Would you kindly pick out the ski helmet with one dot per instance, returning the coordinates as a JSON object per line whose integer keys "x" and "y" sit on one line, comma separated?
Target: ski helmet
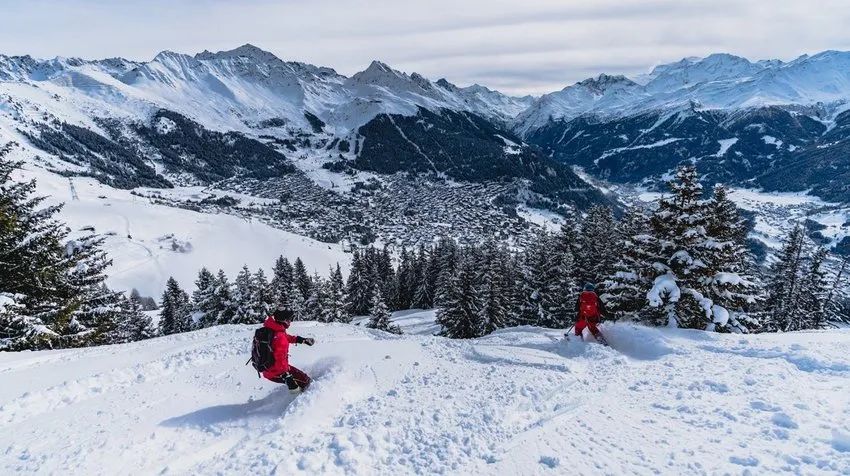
{"x": 283, "y": 316}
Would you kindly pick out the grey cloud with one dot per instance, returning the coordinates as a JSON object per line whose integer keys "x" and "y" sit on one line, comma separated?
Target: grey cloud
{"x": 529, "y": 46}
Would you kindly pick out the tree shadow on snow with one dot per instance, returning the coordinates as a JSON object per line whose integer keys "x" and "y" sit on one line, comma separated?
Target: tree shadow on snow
{"x": 272, "y": 405}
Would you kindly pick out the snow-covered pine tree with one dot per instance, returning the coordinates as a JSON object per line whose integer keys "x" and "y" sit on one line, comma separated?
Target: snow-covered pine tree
{"x": 97, "y": 308}
{"x": 296, "y": 302}
{"x": 380, "y": 313}
{"x": 403, "y": 297}
{"x": 358, "y": 287}
{"x": 563, "y": 293}
{"x": 335, "y": 309}
{"x": 447, "y": 256}
{"x": 301, "y": 278}
{"x": 729, "y": 280}
{"x": 135, "y": 324}
{"x": 223, "y": 305}
{"x": 625, "y": 291}
{"x": 384, "y": 275}
{"x": 460, "y": 307}
{"x": 246, "y": 307}
{"x": 679, "y": 226}
{"x": 315, "y": 307}
{"x": 12, "y": 318}
{"x": 814, "y": 291}
{"x": 31, "y": 254}
{"x": 597, "y": 246}
{"x": 512, "y": 286}
{"x": 782, "y": 310}
{"x": 281, "y": 283}
{"x": 175, "y": 310}
{"x": 494, "y": 312}
{"x": 204, "y": 299}
{"x": 837, "y": 299}
{"x": 542, "y": 282}
{"x": 263, "y": 297}
{"x": 57, "y": 285}
{"x": 426, "y": 282}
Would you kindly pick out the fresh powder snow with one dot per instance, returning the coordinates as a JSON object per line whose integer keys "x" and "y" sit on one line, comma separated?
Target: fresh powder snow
{"x": 519, "y": 401}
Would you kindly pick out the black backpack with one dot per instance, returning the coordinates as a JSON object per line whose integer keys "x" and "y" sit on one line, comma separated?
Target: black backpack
{"x": 262, "y": 355}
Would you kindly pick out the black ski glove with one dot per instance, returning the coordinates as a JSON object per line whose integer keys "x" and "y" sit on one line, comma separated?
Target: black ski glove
{"x": 290, "y": 381}
{"x": 305, "y": 340}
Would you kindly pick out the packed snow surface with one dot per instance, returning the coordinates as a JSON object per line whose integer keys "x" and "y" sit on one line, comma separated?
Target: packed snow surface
{"x": 520, "y": 401}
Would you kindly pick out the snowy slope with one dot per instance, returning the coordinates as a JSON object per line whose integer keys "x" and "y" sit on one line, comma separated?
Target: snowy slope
{"x": 148, "y": 242}
{"x": 520, "y": 401}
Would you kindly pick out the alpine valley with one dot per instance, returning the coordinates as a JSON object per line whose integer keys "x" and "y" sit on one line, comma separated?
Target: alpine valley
{"x": 395, "y": 157}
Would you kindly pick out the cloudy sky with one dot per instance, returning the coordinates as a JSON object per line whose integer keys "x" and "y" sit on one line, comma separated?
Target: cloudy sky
{"x": 520, "y": 46}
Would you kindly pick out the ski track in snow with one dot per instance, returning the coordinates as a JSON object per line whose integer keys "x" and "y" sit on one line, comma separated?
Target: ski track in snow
{"x": 520, "y": 401}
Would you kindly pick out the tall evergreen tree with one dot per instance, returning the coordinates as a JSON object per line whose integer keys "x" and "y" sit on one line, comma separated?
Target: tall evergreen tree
{"x": 563, "y": 292}
{"x": 837, "y": 297}
{"x": 315, "y": 306}
{"x": 595, "y": 255}
{"x": 247, "y": 308}
{"x": 54, "y": 285}
{"x": 204, "y": 299}
{"x": 426, "y": 281}
{"x": 302, "y": 279}
{"x": 358, "y": 288}
{"x": 626, "y": 289}
{"x": 405, "y": 279}
{"x": 547, "y": 285}
{"x": 495, "y": 310}
{"x": 683, "y": 274}
{"x": 281, "y": 283}
{"x": 175, "y": 310}
{"x": 460, "y": 309}
{"x": 447, "y": 260}
{"x": 296, "y": 302}
{"x": 263, "y": 298}
{"x": 335, "y": 309}
{"x": 223, "y": 305}
{"x": 729, "y": 281}
{"x": 97, "y": 308}
{"x": 784, "y": 288}
{"x": 813, "y": 292}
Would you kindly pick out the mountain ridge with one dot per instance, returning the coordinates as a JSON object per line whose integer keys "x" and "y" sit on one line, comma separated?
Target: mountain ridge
{"x": 637, "y": 121}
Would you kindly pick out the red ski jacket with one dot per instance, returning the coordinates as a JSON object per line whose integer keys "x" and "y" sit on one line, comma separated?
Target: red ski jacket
{"x": 280, "y": 347}
{"x": 597, "y": 308}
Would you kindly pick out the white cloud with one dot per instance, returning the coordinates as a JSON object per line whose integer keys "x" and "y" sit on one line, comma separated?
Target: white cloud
{"x": 530, "y": 46}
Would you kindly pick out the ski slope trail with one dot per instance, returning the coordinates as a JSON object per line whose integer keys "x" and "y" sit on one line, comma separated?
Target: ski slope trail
{"x": 520, "y": 401}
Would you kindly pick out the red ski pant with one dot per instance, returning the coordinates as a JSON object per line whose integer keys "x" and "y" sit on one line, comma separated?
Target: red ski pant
{"x": 589, "y": 324}
{"x": 302, "y": 379}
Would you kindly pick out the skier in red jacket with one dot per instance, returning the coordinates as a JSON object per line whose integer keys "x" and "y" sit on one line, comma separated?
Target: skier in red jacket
{"x": 281, "y": 371}
{"x": 589, "y": 311}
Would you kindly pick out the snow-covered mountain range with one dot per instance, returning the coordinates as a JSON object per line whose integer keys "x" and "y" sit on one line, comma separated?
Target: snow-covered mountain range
{"x": 242, "y": 88}
{"x": 719, "y": 81}
{"x": 129, "y": 123}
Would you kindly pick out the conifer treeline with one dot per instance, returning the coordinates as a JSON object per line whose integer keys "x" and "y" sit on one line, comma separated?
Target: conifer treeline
{"x": 686, "y": 264}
